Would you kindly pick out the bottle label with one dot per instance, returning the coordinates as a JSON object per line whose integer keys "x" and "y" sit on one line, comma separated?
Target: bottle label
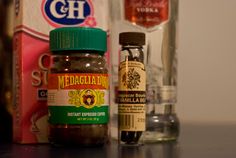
{"x": 78, "y": 98}
{"x": 132, "y": 96}
{"x": 146, "y": 13}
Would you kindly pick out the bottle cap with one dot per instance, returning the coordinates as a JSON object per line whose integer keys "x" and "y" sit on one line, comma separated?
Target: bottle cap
{"x": 78, "y": 38}
{"x": 132, "y": 38}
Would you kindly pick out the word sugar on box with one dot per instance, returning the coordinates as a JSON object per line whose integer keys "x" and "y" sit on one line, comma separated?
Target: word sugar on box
{"x": 34, "y": 20}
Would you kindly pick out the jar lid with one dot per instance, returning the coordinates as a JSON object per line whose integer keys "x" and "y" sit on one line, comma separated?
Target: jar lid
{"x": 78, "y": 38}
{"x": 132, "y": 38}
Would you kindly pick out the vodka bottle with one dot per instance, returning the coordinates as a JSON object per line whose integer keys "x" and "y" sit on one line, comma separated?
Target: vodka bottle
{"x": 158, "y": 19}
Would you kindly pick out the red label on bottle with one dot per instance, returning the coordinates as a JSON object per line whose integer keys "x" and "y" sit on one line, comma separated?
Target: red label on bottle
{"x": 146, "y": 13}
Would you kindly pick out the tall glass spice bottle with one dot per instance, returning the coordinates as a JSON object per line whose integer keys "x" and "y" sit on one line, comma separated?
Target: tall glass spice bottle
{"x": 78, "y": 84}
{"x": 132, "y": 88}
{"x": 159, "y": 20}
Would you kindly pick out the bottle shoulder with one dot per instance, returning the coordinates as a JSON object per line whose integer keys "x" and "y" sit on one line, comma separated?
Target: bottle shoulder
{"x": 79, "y": 63}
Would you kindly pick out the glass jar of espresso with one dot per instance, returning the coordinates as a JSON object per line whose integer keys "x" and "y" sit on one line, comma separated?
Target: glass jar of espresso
{"x": 78, "y": 95}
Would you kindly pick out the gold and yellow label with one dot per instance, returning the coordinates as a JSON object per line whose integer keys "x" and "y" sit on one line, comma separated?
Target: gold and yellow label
{"x": 78, "y": 81}
{"x": 132, "y": 96}
{"x": 87, "y": 98}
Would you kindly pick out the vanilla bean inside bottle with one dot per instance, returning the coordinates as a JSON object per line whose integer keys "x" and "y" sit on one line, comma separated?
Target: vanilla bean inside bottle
{"x": 132, "y": 88}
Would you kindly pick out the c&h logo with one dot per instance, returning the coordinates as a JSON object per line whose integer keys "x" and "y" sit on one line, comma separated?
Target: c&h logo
{"x": 68, "y": 12}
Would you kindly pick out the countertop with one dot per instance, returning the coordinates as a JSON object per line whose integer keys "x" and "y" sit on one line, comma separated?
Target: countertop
{"x": 195, "y": 141}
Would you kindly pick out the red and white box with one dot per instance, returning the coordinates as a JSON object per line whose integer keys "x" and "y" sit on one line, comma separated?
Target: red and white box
{"x": 33, "y": 22}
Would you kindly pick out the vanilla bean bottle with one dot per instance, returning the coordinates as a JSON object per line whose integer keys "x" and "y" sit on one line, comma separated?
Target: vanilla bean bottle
{"x": 132, "y": 88}
{"x": 158, "y": 19}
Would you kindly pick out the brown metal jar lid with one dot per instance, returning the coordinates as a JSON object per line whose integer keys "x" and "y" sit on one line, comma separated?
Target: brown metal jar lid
{"x": 132, "y": 38}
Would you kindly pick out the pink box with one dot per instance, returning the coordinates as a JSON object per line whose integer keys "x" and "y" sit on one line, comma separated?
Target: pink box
{"x": 33, "y": 21}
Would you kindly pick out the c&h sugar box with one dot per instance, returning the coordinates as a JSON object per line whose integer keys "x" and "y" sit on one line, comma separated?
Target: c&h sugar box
{"x": 33, "y": 21}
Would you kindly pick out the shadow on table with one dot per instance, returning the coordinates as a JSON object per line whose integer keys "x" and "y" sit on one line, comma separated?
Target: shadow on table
{"x": 160, "y": 150}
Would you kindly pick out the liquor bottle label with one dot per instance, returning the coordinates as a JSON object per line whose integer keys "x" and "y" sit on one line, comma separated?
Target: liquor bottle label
{"x": 146, "y": 13}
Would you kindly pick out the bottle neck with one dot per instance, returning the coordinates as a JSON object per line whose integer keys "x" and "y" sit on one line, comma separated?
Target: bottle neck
{"x": 132, "y": 46}
{"x": 132, "y": 53}
{"x": 78, "y": 52}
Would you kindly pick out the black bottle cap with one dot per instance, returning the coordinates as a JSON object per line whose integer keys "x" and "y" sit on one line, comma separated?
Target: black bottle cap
{"x": 132, "y": 38}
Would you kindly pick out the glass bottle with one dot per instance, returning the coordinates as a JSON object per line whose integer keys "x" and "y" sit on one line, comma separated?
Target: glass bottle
{"x": 132, "y": 88}
{"x": 78, "y": 95}
{"x": 158, "y": 19}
